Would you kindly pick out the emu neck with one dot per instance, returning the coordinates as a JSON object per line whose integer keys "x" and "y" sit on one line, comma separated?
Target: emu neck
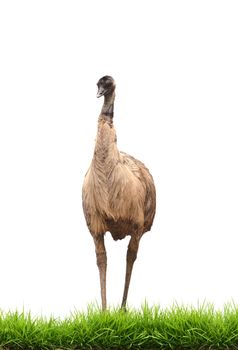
{"x": 108, "y": 105}
{"x": 106, "y": 154}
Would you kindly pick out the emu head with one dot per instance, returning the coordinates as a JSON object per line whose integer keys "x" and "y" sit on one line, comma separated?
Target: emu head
{"x": 106, "y": 85}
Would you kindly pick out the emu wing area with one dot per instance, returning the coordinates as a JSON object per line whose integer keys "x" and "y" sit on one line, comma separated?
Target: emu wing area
{"x": 149, "y": 206}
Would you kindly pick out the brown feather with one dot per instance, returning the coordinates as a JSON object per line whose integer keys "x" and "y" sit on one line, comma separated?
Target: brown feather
{"x": 118, "y": 190}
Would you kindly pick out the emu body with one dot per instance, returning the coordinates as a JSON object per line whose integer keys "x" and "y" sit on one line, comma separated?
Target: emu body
{"x": 118, "y": 192}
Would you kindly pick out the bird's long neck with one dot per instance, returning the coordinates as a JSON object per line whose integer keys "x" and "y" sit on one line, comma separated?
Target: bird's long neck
{"x": 108, "y": 105}
{"x": 106, "y": 153}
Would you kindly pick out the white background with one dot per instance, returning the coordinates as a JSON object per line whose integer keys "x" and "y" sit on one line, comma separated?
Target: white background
{"x": 176, "y": 68}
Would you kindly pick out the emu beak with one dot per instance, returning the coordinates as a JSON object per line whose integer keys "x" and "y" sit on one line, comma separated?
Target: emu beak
{"x": 101, "y": 91}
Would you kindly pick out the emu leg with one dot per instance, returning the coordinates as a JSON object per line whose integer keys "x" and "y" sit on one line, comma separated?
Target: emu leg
{"x": 102, "y": 266}
{"x": 130, "y": 259}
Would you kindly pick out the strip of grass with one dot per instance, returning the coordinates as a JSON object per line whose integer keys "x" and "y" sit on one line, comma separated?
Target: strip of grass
{"x": 148, "y": 328}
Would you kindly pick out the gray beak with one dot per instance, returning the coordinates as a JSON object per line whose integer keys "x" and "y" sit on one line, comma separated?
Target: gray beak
{"x": 101, "y": 91}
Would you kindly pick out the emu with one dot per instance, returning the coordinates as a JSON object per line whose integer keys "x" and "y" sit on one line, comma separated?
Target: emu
{"x": 118, "y": 193}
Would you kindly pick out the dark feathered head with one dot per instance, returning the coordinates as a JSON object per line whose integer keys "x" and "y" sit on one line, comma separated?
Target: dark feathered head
{"x": 106, "y": 85}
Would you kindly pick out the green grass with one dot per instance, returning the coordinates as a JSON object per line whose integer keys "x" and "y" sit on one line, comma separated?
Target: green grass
{"x": 148, "y": 328}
